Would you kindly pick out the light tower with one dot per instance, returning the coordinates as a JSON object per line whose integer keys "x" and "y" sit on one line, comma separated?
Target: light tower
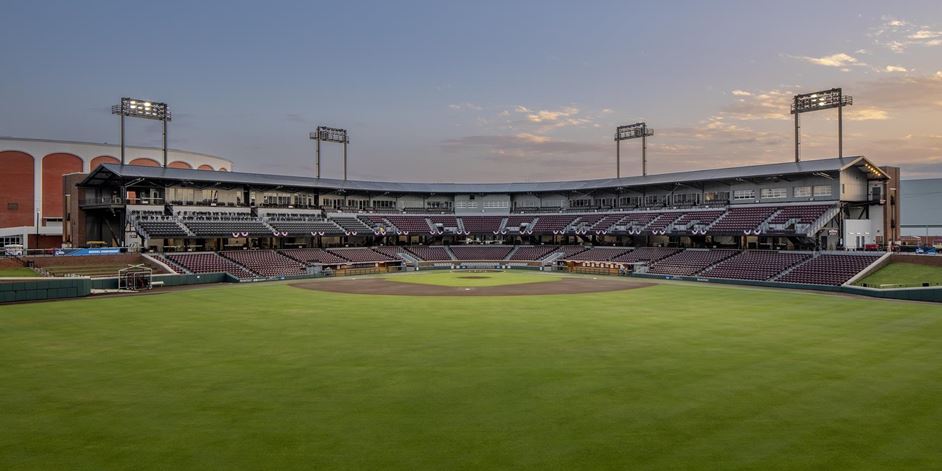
{"x": 147, "y": 109}
{"x": 632, "y": 131}
{"x": 327, "y": 134}
{"x": 823, "y": 100}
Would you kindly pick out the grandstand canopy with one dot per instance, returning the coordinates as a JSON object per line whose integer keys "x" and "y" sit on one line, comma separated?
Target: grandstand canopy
{"x": 112, "y": 173}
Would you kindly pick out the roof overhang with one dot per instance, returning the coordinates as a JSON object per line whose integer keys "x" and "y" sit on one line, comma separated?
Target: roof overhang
{"x": 114, "y": 172}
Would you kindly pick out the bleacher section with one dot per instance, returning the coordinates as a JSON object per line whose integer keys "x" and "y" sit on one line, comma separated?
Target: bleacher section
{"x": 210, "y": 262}
{"x": 731, "y": 264}
{"x": 690, "y": 262}
{"x": 235, "y": 227}
{"x": 351, "y": 224}
{"x": 482, "y": 224}
{"x": 598, "y": 254}
{"x": 552, "y": 223}
{"x": 635, "y": 222}
{"x": 305, "y": 227}
{"x": 646, "y": 254}
{"x": 662, "y": 222}
{"x": 695, "y": 221}
{"x": 416, "y": 224}
{"x": 570, "y": 250}
{"x": 533, "y": 253}
{"x": 585, "y": 222}
{"x": 314, "y": 256}
{"x": 429, "y": 253}
{"x": 361, "y": 254}
{"x": 478, "y": 252}
{"x": 736, "y": 220}
{"x": 755, "y": 265}
{"x": 161, "y": 227}
{"x": 742, "y": 220}
{"x": 605, "y": 223}
{"x": 828, "y": 269}
{"x": 265, "y": 262}
{"x": 390, "y": 251}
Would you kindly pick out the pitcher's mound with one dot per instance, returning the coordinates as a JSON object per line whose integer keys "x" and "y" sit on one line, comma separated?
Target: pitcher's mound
{"x": 392, "y": 287}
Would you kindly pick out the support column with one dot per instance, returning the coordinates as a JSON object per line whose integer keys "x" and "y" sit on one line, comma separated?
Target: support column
{"x": 644, "y": 153}
{"x": 840, "y": 129}
{"x": 797, "y": 138}
{"x": 617, "y": 158}
{"x": 122, "y": 138}
{"x": 165, "y": 143}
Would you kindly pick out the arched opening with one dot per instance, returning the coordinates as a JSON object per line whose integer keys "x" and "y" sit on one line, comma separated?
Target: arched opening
{"x": 54, "y": 167}
{"x": 205, "y": 167}
{"x": 102, "y": 159}
{"x": 145, "y": 162}
{"x": 179, "y": 164}
{"x": 16, "y": 189}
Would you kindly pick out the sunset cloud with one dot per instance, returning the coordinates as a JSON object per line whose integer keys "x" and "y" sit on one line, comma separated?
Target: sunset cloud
{"x": 834, "y": 60}
{"x": 899, "y": 35}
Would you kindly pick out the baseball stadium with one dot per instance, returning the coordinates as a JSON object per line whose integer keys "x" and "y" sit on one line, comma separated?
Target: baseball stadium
{"x": 163, "y": 308}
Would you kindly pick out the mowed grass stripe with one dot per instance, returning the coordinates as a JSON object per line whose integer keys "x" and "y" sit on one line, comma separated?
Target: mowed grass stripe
{"x": 271, "y": 376}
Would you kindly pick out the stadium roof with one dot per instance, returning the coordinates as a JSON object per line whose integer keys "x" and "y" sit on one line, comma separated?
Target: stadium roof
{"x": 109, "y": 171}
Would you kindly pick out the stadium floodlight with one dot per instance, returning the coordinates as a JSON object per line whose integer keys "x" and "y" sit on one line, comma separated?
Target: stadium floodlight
{"x": 823, "y": 100}
{"x": 327, "y": 134}
{"x": 632, "y": 131}
{"x": 147, "y": 109}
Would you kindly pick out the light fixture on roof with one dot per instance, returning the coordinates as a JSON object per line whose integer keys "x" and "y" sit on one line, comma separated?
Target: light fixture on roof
{"x": 133, "y": 108}
{"x": 328, "y": 134}
{"x": 822, "y": 100}
{"x": 632, "y": 131}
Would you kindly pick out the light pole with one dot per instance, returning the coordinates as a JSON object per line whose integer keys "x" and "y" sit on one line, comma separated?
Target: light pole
{"x": 327, "y": 134}
{"x": 632, "y": 131}
{"x": 823, "y": 100}
{"x": 137, "y": 108}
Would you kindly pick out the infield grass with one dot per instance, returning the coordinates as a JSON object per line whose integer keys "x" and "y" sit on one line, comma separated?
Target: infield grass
{"x": 475, "y": 279}
{"x": 674, "y": 376}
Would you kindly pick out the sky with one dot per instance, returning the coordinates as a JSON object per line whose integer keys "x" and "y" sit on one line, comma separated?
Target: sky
{"x": 484, "y": 91}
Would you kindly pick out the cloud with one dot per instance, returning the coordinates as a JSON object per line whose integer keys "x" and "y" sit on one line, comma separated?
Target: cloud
{"x": 465, "y": 106}
{"x": 899, "y": 35}
{"x": 771, "y": 104}
{"x": 925, "y": 34}
{"x": 834, "y": 60}
{"x": 519, "y": 145}
{"x": 546, "y": 120}
{"x": 548, "y": 115}
{"x": 895, "y": 68}
{"x": 867, "y": 114}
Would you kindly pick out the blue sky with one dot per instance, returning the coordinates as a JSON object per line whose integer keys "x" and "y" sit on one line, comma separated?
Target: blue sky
{"x": 482, "y": 91}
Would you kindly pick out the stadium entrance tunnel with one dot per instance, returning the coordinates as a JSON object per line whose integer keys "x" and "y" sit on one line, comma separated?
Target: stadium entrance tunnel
{"x": 385, "y": 286}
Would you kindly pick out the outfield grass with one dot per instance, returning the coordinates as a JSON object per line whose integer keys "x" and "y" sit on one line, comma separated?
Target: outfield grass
{"x": 17, "y": 272}
{"x": 902, "y": 273}
{"x": 675, "y": 376}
